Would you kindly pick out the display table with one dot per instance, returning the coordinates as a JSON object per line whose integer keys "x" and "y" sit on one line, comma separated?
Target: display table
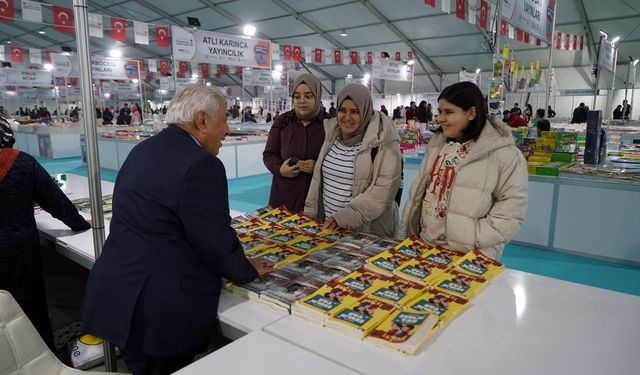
{"x": 48, "y": 141}
{"x": 260, "y": 353}
{"x": 521, "y": 324}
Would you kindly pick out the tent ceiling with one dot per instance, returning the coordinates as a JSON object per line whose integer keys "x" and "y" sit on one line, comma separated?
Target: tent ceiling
{"x": 446, "y": 41}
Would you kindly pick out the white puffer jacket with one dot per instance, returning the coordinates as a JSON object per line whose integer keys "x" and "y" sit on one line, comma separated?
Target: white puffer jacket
{"x": 489, "y": 196}
{"x": 375, "y": 183}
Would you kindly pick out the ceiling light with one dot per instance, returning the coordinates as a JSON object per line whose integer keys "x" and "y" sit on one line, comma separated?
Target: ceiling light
{"x": 478, "y": 71}
{"x": 42, "y": 32}
{"x": 9, "y": 42}
{"x": 208, "y": 83}
{"x": 135, "y": 80}
{"x": 249, "y": 30}
{"x": 115, "y": 53}
{"x": 194, "y": 75}
{"x": 367, "y": 76}
{"x": 636, "y": 62}
{"x": 615, "y": 40}
{"x": 343, "y": 33}
{"x": 411, "y": 62}
{"x": 349, "y": 76}
{"x": 279, "y": 67}
{"x": 48, "y": 67}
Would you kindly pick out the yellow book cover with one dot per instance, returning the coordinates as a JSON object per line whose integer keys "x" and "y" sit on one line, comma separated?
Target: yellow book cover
{"x": 253, "y": 244}
{"x": 328, "y": 299}
{"x": 446, "y": 306}
{"x": 386, "y": 262}
{"x": 267, "y": 230}
{"x": 275, "y": 215}
{"x": 404, "y": 330}
{"x": 294, "y": 221}
{"x": 396, "y": 291}
{"x": 478, "y": 264}
{"x": 442, "y": 256}
{"x": 420, "y": 270}
{"x": 361, "y": 317}
{"x": 412, "y": 247}
{"x": 309, "y": 244}
{"x": 247, "y": 225}
{"x": 280, "y": 255}
{"x": 284, "y": 236}
{"x": 460, "y": 283}
{"x": 311, "y": 227}
{"x": 334, "y": 235}
{"x": 364, "y": 280}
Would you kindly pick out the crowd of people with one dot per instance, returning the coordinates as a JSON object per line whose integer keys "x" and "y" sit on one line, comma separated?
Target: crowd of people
{"x": 152, "y": 291}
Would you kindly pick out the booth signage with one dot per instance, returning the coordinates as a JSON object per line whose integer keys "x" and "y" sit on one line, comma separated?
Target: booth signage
{"x": 392, "y": 70}
{"x": 532, "y": 16}
{"x": 256, "y": 77}
{"x": 473, "y": 77}
{"x": 217, "y": 48}
{"x": 101, "y": 67}
{"x": 607, "y": 57}
{"x": 25, "y": 77}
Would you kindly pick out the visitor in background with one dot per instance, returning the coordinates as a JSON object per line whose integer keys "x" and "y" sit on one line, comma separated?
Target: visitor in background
{"x": 268, "y": 117}
{"x": 332, "y": 110}
{"x": 527, "y": 113}
{"x": 358, "y": 172}
{"x": 471, "y": 190}
{"x": 429, "y": 113}
{"x": 550, "y": 112}
{"x": 617, "y": 113}
{"x": 516, "y": 109}
{"x": 543, "y": 126}
{"x": 580, "y": 114}
{"x": 397, "y": 113}
{"x": 539, "y": 116}
{"x": 410, "y": 112}
{"x": 136, "y": 119}
{"x": 294, "y": 143}
{"x": 107, "y": 116}
{"x": 421, "y": 114}
{"x": 384, "y": 110}
{"x": 512, "y": 119}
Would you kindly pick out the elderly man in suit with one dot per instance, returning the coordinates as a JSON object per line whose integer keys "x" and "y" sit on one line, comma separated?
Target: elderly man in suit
{"x": 154, "y": 291}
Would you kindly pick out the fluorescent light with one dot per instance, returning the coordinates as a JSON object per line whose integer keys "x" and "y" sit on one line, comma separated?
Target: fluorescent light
{"x": 42, "y": 32}
{"x": 343, "y": 33}
{"x": 411, "y": 62}
{"x": 349, "y": 76}
{"x": 9, "y": 42}
{"x": 115, "y": 53}
{"x": 478, "y": 71}
{"x": 615, "y": 40}
{"x": 279, "y": 67}
{"x": 48, "y": 66}
{"x": 208, "y": 83}
{"x": 249, "y": 30}
{"x": 135, "y": 80}
{"x": 194, "y": 75}
{"x": 636, "y": 62}
{"x": 367, "y": 76}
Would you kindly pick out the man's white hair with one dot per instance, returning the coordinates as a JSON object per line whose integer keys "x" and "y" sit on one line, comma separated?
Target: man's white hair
{"x": 193, "y": 98}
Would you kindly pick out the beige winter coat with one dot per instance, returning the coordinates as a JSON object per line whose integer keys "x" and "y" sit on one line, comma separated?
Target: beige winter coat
{"x": 373, "y": 208}
{"x": 488, "y": 198}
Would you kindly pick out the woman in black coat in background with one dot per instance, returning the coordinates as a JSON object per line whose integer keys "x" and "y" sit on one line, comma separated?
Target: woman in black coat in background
{"x": 23, "y": 182}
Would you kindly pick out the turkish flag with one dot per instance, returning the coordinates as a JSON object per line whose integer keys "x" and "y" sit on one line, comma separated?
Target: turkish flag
{"x": 519, "y": 35}
{"x": 62, "y": 19}
{"x": 162, "y": 36}
{"x": 503, "y": 28}
{"x": 118, "y": 29}
{"x": 575, "y": 42}
{"x": 239, "y": 71}
{"x": 318, "y": 56}
{"x": 527, "y": 39}
{"x": 297, "y": 53}
{"x": 538, "y": 43}
{"x": 410, "y": 55}
{"x": 183, "y": 67}
{"x": 559, "y": 41}
{"x": 164, "y": 67}
{"x": 369, "y": 58}
{"x": 287, "y": 52}
{"x": 398, "y": 56}
{"x": 484, "y": 10}
{"x": 460, "y": 9}
{"x": 7, "y": 12}
{"x": 17, "y": 54}
{"x": 337, "y": 57}
{"x": 430, "y": 2}
{"x": 354, "y": 57}
{"x": 567, "y": 41}
{"x": 223, "y": 69}
{"x": 205, "y": 70}
{"x": 581, "y": 42}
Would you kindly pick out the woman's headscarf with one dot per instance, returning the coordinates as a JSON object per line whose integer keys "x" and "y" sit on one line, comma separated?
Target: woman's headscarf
{"x": 7, "y": 138}
{"x": 360, "y": 95}
{"x": 316, "y": 88}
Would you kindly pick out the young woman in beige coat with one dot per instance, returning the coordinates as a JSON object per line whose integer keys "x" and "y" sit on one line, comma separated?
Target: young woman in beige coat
{"x": 471, "y": 191}
{"x": 357, "y": 174}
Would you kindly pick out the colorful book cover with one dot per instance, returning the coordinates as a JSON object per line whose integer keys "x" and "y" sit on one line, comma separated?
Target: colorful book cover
{"x": 446, "y": 306}
{"x": 311, "y": 227}
{"x": 321, "y": 256}
{"x": 386, "y": 262}
{"x": 259, "y": 212}
{"x": 442, "y": 256}
{"x": 275, "y": 215}
{"x": 310, "y": 244}
{"x": 283, "y": 296}
{"x": 267, "y": 230}
{"x": 345, "y": 261}
{"x": 280, "y": 255}
{"x": 253, "y": 244}
{"x": 359, "y": 239}
{"x": 460, "y": 283}
{"x": 478, "y": 264}
{"x": 283, "y": 236}
{"x": 362, "y": 316}
{"x": 412, "y": 247}
{"x": 397, "y": 291}
{"x": 364, "y": 280}
{"x": 246, "y": 226}
{"x": 404, "y": 330}
{"x": 330, "y": 298}
{"x": 380, "y": 245}
{"x": 295, "y": 221}
{"x": 420, "y": 270}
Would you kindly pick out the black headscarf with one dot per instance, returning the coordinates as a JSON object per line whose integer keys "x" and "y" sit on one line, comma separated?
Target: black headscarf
{"x": 7, "y": 139}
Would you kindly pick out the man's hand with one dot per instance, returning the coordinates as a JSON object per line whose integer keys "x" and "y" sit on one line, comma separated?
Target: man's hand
{"x": 262, "y": 266}
{"x": 307, "y": 165}
{"x": 331, "y": 224}
{"x": 287, "y": 171}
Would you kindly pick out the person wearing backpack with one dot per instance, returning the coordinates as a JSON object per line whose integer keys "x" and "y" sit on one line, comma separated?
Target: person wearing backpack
{"x": 358, "y": 171}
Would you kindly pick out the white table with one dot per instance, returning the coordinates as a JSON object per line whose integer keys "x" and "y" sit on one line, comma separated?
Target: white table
{"x": 238, "y": 316}
{"x": 260, "y": 353}
{"x": 521, "y": 324}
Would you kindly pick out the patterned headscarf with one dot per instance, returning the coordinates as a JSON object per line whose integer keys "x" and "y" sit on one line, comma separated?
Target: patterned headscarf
{"x": 7, "y": 138}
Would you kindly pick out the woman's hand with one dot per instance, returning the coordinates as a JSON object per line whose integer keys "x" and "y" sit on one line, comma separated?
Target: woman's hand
{"x": 307, "y": 166}
{"x": 261, "y": 265}
{"x": 289, "y": 171}
{"x": 331, "y": 224}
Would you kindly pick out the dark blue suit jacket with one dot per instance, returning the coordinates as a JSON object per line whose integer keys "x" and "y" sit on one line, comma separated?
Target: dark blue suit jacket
{"x": 156, "y": 286}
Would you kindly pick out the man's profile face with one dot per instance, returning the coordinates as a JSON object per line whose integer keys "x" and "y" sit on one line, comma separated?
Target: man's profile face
{"x": 214, "y": 131}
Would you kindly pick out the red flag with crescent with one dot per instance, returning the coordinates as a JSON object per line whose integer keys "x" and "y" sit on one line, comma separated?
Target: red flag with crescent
{"x": 369, "y": 58}
{"x": 7, "y": 11}
{"x": 287, "y": 52}
{"x": 460, "y": 9}
{"x": 17, "y": 54}
{"x": 398, "y": 56}
{"x": 297, "y": 53}
{"x": 318, "y": 56}
{"x": 337, "y": 57}
{"x": 354, "y": 57}
{"x": 162, "y": 36}
{"x": 164, "y": 67}
{"x": 118, "y": 29}
{"x": 183, "y": 67}
{"x": 484, "y": 10}
{"x": 62, "y": 19}
{"x": 205, "y": 70}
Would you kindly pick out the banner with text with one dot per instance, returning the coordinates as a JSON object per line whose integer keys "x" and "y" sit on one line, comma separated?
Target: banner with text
{"x": 217, "y": 48}
{"x": 25, "y": 77}
{"x": 533, "y": 16}
{"x": 257, "y": 77}
{"x": 101, "y": 67}
{"x": 392, "y": 70}
{"x": 608, "y": 55}
{"x": 469, "y": 77}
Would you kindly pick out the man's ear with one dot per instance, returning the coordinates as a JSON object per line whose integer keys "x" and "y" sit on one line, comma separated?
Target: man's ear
{"x": 200, "y": 119}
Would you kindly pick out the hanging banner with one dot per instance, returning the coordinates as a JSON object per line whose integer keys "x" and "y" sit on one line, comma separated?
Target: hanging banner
{"x": 607, "y": 57}
{"x": 392, "y": 70}
{"x": 256, "y": 77}
{"x": 124, "y": 90}
{"x": 465, "y": 76}
{"x": 152, "y": 65}
{"x": 101, "y": 67}
{"x": 95, "y": 25}
{"x": 162, "y": 36}
{"x": 25, "y": 77}
{"x": 31, "y": 11}
{"x": 141, "y": 32}
{"x": 276, "y": 90}
{"x": 35, "y": 56}
{"x": 217, "y": 48}
{"x": 166, "y": 83}
{"x": 533, "y": 16}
